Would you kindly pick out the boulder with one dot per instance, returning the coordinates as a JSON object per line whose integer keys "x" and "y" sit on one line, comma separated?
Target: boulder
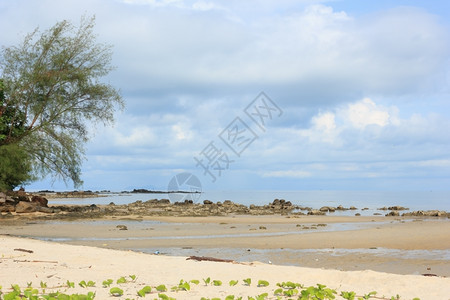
{"x": 207, "y": 202}
{"x": 41, "y": 201}
{"x": 327, "y": 208}
{"x": 7, "y": 208}
{"x": 393, "y": 214}
{"x": 316, "y": 212}
{"x": 397, "y": 207}
{"x": 26, "y": 207}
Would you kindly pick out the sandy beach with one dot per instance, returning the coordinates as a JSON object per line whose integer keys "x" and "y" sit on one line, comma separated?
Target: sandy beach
{"x": 54, "y": 264}
{"x": 387, "y": 254}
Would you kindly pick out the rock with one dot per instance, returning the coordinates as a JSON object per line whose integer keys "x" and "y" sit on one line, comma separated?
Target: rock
{"x": 377, "y": 214}
{"x": 397, "y": 208}
{"x": 228, "y": 202}
{"x": 46, "y": 210}
{"x": 2, "y": 197}
{"x": 327, "y": 208}
{"x": 428, "y": 213}
{"x": 252, "y": 206}
{"x": 164, "y": 201}
{"x": 352, "y": 208}
{"x": 262, "y": 227}
{"x": 357, "y": 214}
{"x": 393, "y": 214}
{"x": 41, "y": 201}
{"x": 340, "y": 207}
{"x": 207, "y": 202}
{"x": 315, "y": 212}
{"x": 122, "y": 227}
{"x": 7, "y": 208}
{"x": 26, "y": 207}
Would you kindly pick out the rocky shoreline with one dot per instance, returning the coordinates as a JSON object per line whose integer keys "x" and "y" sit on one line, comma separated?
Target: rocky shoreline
{"x": 20, "y": 203}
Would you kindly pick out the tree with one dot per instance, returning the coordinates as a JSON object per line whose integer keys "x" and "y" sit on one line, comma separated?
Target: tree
{"x": 51, "y": 93}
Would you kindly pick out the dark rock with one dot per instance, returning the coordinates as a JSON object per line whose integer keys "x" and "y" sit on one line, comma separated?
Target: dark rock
{"x": 352, "y": 208}
{"x": 41, "y": 201}
{"x": 397, "y": 208}
{"x": 327, "y": 208}
{"x": 357, "y": 214}
{"x": 228, "y": 202}
{"x": 262, "y": 227}
{"x": 315, "y": 212}
{"x": 207, "y": 202}
{"x": 393, "y": 214}
{"x": 45, "y": 209}
{"x": 122, "y": 227}
{"x": 164, "y": 201}
{"x": 7, "y": 208}
{"x": 26, "y": 207}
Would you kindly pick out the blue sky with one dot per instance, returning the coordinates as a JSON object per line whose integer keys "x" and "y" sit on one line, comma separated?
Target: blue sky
{"x": 362, "y": 87}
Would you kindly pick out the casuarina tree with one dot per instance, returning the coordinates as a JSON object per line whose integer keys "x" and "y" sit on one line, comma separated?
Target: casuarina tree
{"x": 51, "y": 93}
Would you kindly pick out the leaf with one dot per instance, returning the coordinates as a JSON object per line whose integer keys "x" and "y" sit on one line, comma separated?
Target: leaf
{"x": 248, "y": 281}
{"x": 70, "y": 284}
{"x": 82, "y": 283}
{"x": 163, "y": 296}
{"x": 145, "y": 290}
{"x": 195, "y": 281}
{"x": 262, "y": 283}
{"x": 121, "y": 280}
{"x": 233, "y": 282}
{"x": 278, "y": 292}
{"x": 107, "y": 283}
{"x": 229, "y": 297}
{"x": 161, "y": 288}
{"x": 91, "y": 283}
{"x": 116, "y": 292}
{"x": 133, "y": 277}
{"x": 207, "y": 280}
{"x": 217, "y": 282}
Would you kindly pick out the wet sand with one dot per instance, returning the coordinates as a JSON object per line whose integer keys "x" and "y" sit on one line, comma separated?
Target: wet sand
{"x": 278, "y": 239}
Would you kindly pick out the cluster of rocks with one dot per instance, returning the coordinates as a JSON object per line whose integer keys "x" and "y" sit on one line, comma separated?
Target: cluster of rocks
{"x": 21, "y": 202}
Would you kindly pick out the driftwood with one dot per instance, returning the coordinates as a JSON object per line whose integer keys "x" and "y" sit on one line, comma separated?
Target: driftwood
{"x": 205, "y": 258}
{"x": 23, "y": 250}
{"x": 37, "y": 261}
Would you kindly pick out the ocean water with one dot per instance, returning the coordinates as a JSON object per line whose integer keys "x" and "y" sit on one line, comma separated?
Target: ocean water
{"x": 414, "y": 200}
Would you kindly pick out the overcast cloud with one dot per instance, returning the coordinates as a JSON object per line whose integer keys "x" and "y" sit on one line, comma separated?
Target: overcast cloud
{"x": 364, "y": 91}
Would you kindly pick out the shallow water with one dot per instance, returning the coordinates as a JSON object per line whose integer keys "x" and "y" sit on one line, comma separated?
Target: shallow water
{"x": 329, "y": 228}
{"x": 417, "y": 200}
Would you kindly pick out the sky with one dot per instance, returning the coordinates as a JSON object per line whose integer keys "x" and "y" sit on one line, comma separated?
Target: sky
{"x": 265, "y": 95}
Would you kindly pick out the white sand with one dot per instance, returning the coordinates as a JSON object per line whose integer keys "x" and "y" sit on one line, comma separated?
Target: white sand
{"x": 56, "y": 263}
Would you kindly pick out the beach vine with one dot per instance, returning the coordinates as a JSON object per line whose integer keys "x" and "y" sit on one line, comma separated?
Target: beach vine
{"x": 280, "y": 291}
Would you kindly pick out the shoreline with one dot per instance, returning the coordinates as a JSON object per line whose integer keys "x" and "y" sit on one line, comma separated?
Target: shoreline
{"x": 54, "y": 264}
{"x": 284, "y": 240}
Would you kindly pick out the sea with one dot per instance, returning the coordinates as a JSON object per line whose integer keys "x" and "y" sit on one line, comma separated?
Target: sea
{"x": 366, "y": 202}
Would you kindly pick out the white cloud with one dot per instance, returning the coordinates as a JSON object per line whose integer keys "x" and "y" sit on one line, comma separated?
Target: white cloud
{"x": 364, "y": 113}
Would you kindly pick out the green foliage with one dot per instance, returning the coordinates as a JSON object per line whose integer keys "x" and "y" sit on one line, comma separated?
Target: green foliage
{"x": 107, "y": 283}
{"x": 115, "y": 291}
{"x": 161, "y": 288}
{"x": 207, "y": 280}
{"x": 144, "y": 291}
{"x": 233, "y": 282}
{"x": 51, "y": 91}
{"x": 217, "y": 282}
{"x": 121, "y": 280}
{"x": 15, "y": 167}
{"x": 247, "y": 281}
{"x": 262, "y": 283}
{"x": 348, "y": 295}
{"x": 70, "y": 284}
